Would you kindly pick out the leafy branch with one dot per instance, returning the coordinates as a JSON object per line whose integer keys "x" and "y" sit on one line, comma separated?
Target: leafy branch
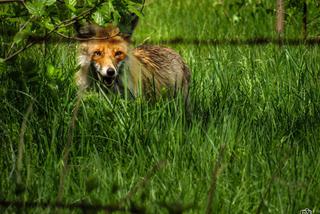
{"x": 45, "y": 17}
{"x": 10, "y": 1}
{"x": 64, "y": 23}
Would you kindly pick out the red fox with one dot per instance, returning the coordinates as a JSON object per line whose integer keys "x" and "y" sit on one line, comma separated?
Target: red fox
{"x": 150, "y": 69}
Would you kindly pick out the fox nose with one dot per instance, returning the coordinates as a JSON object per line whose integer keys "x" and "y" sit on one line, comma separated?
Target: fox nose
{"x": 111, "y": 72}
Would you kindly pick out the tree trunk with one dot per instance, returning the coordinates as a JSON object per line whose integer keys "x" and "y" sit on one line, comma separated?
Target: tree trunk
{"x": 280, "y": 19}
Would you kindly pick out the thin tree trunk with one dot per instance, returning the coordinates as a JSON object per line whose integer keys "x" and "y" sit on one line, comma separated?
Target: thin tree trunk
{"x": 280, "y": 20}
{"x": 305, "y": 20}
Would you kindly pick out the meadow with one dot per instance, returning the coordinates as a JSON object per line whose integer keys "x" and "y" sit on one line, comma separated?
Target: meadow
{"x": 249, "y": 145}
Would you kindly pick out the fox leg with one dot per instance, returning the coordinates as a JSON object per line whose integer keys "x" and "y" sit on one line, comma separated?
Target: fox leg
{"x": 81, "y": 77}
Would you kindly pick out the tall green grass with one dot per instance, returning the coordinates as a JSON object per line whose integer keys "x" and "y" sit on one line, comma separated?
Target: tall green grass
{"x": 260, "y": 102}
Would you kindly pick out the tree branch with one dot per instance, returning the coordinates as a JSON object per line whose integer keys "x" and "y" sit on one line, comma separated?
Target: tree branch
{"x": 10, "y": 1}
{"x": 64, "y": 23}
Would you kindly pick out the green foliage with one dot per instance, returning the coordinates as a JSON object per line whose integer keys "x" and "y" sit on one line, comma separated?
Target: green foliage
{"x": 41, "y": 18}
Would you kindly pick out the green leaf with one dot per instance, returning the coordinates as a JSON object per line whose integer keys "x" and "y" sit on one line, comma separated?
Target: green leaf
{"x": 5, "y": 11}
{"x": 71, "y": 4}
{"x": 55, "y": 73}
{"x": 21, "y": 35}
{"x": 48, "y": 24}
{"x": 35, "y": 8}
{"x": 3, "y": 66}
{"x": 106, "y": 8}
{"x": 49, "y": 2}
{"x": 98, "y": 18}
{"x": 134, "y": 8}
{"x": 116, "y": 16}
{"x": 50, "y": 70}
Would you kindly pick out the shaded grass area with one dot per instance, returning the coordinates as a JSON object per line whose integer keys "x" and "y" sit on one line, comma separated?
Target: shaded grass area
{"x": 261, "y": 102}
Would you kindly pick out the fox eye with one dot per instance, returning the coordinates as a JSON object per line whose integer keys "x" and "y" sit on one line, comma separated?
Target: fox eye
{"x": 118, "y": 53}
{"x": 97, "y": 53}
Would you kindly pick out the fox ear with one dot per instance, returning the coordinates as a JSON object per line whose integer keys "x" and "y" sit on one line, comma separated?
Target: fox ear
{"x": 111, "y": 30}
{"x": 88, "y": 30}
{"x": 126, "y": 37}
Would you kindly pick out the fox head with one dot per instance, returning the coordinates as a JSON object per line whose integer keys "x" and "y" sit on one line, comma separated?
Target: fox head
{"x": 104, "y": 50}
